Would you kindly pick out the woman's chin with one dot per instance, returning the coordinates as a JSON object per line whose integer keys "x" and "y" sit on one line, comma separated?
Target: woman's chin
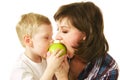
{"x": 70, "y": 55}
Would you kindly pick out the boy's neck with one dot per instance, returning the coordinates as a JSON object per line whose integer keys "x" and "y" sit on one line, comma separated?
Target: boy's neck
{"x": 33, "y": 57}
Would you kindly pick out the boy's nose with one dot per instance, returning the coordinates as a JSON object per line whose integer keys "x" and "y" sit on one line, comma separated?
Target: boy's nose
{"x": 51, "y": 41}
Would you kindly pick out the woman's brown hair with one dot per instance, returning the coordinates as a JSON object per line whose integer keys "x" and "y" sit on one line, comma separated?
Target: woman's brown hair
{"x": 87, "y": 18}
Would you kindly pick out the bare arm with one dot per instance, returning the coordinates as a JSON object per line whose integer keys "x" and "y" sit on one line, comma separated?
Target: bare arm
{"x": 53, "y": 63}
{"x": 62, "y": 72}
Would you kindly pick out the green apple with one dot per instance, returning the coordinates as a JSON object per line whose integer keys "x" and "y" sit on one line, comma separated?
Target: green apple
{"x": 55, "y": 46}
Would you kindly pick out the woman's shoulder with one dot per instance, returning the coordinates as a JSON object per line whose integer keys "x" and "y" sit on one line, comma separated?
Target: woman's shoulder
{"x": 109, "y": 67}
{"x": 109, "y": 62}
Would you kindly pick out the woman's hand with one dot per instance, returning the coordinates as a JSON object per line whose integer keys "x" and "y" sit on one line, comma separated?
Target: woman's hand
{"x": 62, "y": 71}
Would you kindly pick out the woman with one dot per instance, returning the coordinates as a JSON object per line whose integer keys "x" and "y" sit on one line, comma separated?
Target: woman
{"x": 81, "y": 29}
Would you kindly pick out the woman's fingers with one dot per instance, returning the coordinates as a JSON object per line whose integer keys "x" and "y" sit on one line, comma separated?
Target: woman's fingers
{"x": 57, "y": 52}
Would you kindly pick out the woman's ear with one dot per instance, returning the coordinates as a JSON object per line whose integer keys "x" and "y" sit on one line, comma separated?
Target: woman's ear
{"x": 84, "y": 36}
{"x": 27, "y": 40}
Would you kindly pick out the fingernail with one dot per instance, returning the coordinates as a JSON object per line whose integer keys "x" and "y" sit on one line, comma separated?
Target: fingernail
{"x": 48, "y": 53}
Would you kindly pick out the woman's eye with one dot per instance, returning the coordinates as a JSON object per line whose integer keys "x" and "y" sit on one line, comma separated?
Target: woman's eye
{"x": 64, "y": 31}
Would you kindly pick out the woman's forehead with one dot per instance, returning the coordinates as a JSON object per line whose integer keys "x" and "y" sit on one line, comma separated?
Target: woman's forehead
{"x": 63, "y": 22}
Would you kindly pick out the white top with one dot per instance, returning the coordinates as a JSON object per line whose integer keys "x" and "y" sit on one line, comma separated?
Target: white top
{"x": 25, "y": 69}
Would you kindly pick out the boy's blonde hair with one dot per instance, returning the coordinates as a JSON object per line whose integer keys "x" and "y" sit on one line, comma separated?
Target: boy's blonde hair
{"x": 29, "y": 24}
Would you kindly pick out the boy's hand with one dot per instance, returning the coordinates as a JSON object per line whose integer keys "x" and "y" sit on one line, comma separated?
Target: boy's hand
{"x": 54, "y": 60}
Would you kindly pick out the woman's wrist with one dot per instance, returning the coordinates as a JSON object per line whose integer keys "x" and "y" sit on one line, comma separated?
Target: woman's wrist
{"x": 63, "y": 78}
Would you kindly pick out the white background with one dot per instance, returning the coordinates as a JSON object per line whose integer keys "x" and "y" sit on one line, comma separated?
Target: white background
{"x": 11, "y": 10}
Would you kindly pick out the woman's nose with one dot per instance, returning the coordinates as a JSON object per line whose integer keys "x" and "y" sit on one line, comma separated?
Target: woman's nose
{"x": 58, "y": 36}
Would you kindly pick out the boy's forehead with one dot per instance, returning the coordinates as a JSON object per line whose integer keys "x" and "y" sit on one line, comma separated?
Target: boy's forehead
{"x": 45, "y": 28}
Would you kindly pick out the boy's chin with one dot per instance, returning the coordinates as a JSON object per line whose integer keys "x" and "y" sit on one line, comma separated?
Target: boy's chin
{"x": 44, "y": 57}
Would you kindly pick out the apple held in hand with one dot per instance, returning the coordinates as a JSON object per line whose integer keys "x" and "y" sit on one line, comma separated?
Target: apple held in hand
{"x": 55, "y": 46}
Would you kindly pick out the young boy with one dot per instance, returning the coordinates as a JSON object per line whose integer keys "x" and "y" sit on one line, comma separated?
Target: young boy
{"x": 35, "y": 34}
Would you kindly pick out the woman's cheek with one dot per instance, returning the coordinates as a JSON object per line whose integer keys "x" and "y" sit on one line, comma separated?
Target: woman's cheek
{"x": 70, "y": 49}
{"x": 73, "y": 42}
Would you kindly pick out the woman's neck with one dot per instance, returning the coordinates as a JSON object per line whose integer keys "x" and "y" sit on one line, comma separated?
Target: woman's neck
{"x": 76, "y": 67}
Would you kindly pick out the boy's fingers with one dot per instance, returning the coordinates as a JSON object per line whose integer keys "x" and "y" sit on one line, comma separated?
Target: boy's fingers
{"x": 48, "y": 54}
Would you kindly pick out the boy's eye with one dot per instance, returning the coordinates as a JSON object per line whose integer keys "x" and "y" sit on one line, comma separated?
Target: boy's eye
{"x": 57, "y": 29}
{"x": 46, "y": 37}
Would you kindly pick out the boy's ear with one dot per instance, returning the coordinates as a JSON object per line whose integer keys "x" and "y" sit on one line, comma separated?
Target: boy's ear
{"x": 27, "y": 40}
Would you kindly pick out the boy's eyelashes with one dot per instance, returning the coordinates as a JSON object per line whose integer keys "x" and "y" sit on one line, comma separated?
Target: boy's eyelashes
{"x": 48, "y": 38}
{"x": 57, "y": 29}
